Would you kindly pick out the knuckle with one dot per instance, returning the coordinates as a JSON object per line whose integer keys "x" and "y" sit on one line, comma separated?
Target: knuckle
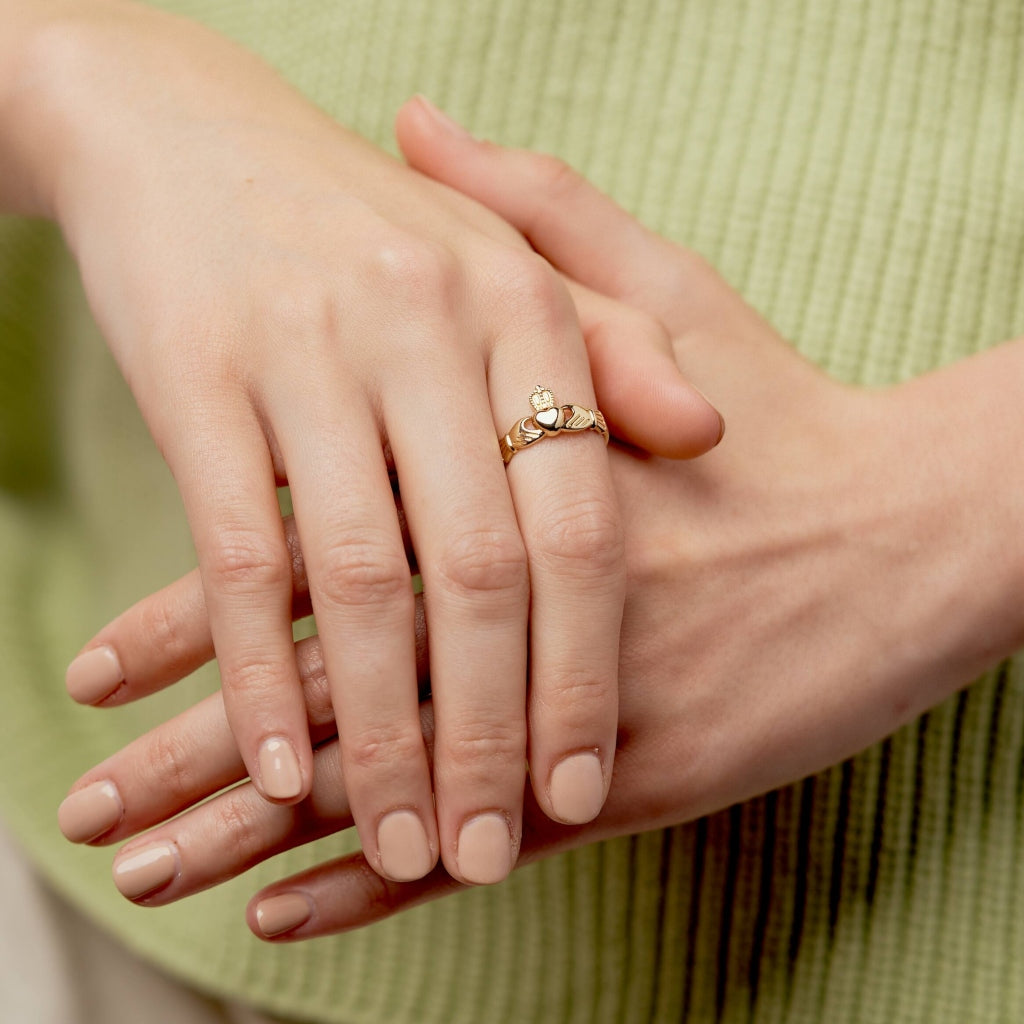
{"x": 171, "y": 760}
{"x": 379, "y": 897}
{"x": 584, "y": 538}
{"x": 298, "y": 305}
{"x": 246, "y": 560}
{"x": 533, "y": 292}
{"x": 300, "y": 301}
{"x": 298, "y": 563}
{"x": 482, "y": 747}
{"x": 254, "y": 680}
{"x": 361, "y": 569}
{"x": 313, "y": 675}
{"x": 239, "y": 829}
{"x": 415, "y": 271}
{"x": 162, "y": 632}
{"x": 576, "y": 699}
{"x": 486, "y": 561}
{"x": 383, "y": 748}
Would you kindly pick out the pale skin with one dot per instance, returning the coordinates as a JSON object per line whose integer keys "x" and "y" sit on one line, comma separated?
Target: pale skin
{"x": 822, "y": 578}
{"x": 290, "y": 305}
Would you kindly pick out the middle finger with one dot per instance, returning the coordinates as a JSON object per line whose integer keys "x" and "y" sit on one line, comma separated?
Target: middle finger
{"x": 476, "y": 589}
{"x": 362, "y": 599}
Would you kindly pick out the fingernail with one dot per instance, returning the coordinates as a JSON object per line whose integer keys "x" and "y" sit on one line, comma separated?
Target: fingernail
{"x": 403, "y": 847}
{"x": 94, "y": 675}
{"x": 721, "y": 429}
{"x": 577, "y": 788}
{"x": 484, "y": 852}
{"x": 144, "y": 871}
{"x": 442, "y": 119}
{"x": 280, "y": 777}
{"x": 89, "y": 812}
{"x": 279, "y": 914}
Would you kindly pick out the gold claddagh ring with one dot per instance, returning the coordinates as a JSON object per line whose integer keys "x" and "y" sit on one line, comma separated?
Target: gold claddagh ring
{"x": 548, "y": 420}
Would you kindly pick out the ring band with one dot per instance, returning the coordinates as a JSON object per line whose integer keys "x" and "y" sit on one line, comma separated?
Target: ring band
{"x": 549, "y": 419}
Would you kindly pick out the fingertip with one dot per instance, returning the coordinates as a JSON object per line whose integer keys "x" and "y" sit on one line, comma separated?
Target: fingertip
{"x": 274, "y": 917}
{"x": 405, "y": 850}
{"x": 486, "y": 849}
{"x": 280, "y": 777}
{"x": 94, "y": 675}
{"x": 576, "y": 788}
{"x": 90, "y": 812}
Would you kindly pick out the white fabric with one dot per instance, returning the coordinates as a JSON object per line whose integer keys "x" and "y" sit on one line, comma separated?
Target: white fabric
{"x": 58, "y": 968}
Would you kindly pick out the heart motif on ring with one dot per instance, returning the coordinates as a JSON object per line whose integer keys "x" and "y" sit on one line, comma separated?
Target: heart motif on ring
{"x": 549, "y": 419}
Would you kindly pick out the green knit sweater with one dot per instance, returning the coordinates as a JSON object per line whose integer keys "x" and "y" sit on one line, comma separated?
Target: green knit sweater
{"x": 856, "y": 168}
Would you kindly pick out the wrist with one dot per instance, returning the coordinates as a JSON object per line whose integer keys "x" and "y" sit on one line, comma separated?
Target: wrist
{"x": 953, "y": 455}
{"x": 874, "y": 530}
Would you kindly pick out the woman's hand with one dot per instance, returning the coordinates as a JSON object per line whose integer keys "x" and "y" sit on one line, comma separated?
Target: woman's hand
{"x": 800, "y": 593}
{"x": 290, "y": 305}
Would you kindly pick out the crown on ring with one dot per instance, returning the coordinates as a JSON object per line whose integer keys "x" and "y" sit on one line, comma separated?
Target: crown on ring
{"x": 541, "y": 399}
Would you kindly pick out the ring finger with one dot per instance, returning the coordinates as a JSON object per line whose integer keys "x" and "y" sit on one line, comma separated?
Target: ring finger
{"x": 569, "y": 519}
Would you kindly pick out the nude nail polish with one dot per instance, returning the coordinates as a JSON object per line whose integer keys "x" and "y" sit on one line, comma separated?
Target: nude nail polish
{"x": 403, "y": 847}
{"x": 484, "y": 852}
{"x": 144, "y": 871}
{"x": 279, "y": 914}
{"x": 576, "y": 788}
{"x": 94, "y": 675}
{"x": 280, "y": 777}
{"x": 90, "y": 812}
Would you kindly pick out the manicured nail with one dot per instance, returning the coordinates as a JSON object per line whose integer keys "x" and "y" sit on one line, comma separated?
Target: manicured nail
{"x": 142, "y": 872}
{"x": 442, "y": 119}
{"x": 484, "y": 852}
{"x": 403, "y": 847}
{"x": 89, "y": 812}
{"x": 577, "y": 788}
{"x": 279, "y": 914}
{"x": 280, "y": 777}
{"x": 94, "y": 675}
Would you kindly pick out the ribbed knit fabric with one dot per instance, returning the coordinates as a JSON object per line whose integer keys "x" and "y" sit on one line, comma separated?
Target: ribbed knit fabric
{"x": 857, "y": 169}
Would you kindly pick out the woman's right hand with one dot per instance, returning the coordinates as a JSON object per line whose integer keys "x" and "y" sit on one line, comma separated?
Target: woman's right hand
{"x": 290, "y": 305}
